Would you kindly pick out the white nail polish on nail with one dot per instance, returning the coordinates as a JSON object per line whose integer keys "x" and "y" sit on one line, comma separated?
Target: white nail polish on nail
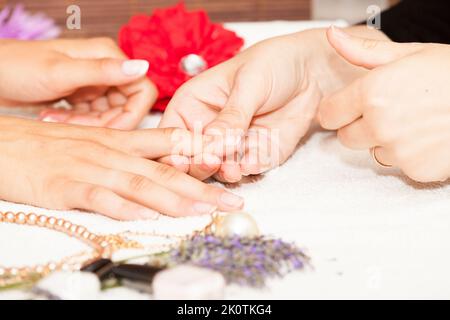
{"x": 135, "y": 67}
{"x": 48, "y": 119}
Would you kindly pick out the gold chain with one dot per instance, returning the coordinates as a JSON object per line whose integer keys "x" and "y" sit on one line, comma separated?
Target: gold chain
{"x": 103, "y": 245}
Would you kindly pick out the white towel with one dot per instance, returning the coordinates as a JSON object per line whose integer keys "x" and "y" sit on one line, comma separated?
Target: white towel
{"x": 371, "y": 232}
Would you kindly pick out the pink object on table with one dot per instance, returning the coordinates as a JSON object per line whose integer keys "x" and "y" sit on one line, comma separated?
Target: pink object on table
{"x": 187, "y": 282}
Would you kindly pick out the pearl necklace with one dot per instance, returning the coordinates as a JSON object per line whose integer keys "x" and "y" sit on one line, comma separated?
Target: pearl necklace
{"x": 101, "y": 247}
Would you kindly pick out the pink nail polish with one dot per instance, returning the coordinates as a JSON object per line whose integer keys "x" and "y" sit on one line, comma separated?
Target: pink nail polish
{"x": 204, "y": 208}
{"x": 338, "y": 32}
{"x": 148, "y": 214}
{"x": 231, "y": 200}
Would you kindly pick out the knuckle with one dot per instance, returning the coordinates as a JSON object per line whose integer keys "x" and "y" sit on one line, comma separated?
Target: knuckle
{"x": 139, "y": 183}
{"x": 93, "y": 194}
{"x": 103, "y": 65}
{"x": 369, "y": 44}
{"x": 165, "y": 172}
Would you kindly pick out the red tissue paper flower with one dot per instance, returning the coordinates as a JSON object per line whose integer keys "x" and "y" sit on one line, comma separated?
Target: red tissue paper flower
{"x": 178, "y": 45}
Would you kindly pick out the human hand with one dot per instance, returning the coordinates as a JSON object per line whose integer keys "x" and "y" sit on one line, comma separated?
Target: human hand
{"x": 104, "y": 87}
{"x": 401, "y": 108}
{"x": 60, "y": 166}
{"x": 266, "y": 98}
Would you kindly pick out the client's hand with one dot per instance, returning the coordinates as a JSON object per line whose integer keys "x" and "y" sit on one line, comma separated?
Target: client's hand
{"x": 262, "y": 101}
{"x": 60, "y": 166}
{"x": 105, "y": 88}
{"x": 401, "y": 108}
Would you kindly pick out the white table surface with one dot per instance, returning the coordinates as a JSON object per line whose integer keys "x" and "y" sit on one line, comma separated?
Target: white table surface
{"x": 371, "y": 232}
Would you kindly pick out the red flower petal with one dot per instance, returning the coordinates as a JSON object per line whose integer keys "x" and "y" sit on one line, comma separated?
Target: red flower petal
{"x": 170, "y": 34}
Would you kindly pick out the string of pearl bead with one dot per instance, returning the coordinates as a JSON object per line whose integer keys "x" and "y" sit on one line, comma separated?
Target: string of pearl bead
{"x": 100, "y": 246}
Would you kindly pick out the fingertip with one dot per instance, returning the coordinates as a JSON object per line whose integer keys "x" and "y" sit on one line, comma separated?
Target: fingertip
{"x": 322, "y": 116}
{"x": 230, "y": 173}
{"x": 54, "y": 116}
{"x": 181, "y": 163}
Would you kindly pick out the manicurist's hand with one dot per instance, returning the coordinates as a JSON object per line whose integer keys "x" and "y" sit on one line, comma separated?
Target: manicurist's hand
{"x": 60, "y": 166}
{"x": 262, "y": 101}
{"x": 401, "y": 108}
{"x": 104, "y": 87}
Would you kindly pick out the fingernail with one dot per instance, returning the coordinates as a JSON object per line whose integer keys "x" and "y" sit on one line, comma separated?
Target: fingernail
{"x": 319, "y": 118}
{"x": 135, "y": 67}
{"x": 148, "y": 214}
{"x": 210, "y": 161}
{"x": 231, "y": 200}
{"x": 204, "y": 208}
{"x": 232, "y": 140}
{"x": 49, "y": 119}
{"x": 339, "y": 33}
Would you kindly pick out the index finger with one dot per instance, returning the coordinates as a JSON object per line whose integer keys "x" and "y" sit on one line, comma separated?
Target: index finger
{"x": 342, "y": 107}
{"x": 141, "y": 95}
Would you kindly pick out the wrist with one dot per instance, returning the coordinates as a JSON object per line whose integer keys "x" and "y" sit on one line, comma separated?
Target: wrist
{"x": 323, "y": 64}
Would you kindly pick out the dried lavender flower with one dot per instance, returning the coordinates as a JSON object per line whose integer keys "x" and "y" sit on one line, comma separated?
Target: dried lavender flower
{"x": 241, "y": 260}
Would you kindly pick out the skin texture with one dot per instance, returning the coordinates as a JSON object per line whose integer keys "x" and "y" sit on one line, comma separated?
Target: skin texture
{"x": 88, "y": 73}
{"x": 272, "y": 87}
{"x": 401, "y": 107}
{"x": 60, "y": 166}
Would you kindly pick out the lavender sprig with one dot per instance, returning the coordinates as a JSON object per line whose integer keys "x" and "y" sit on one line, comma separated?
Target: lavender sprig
{"x": 244, "y": 261}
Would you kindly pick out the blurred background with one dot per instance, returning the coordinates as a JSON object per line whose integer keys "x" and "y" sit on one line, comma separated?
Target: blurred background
{"x": 104, "y": 17}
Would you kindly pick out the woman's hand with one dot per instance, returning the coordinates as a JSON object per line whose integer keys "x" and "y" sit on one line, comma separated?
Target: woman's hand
{"x": 104, "y": 87}
{"x": 59, "y": 166}
{"x": 262, "y": 101}
{"x": 401, "y": 108}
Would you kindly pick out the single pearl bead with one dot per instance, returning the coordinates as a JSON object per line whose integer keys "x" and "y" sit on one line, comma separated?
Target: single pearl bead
{"x": 238, "y": 223}
{"x": 31, "y": 218}
{"x": 193, "y": 64}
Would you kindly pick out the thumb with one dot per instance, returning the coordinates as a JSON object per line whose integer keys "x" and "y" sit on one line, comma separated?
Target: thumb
{"x": 368, "y": 53}
{"x": 76, "y": 73}
{"x": 246, "y": 97}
